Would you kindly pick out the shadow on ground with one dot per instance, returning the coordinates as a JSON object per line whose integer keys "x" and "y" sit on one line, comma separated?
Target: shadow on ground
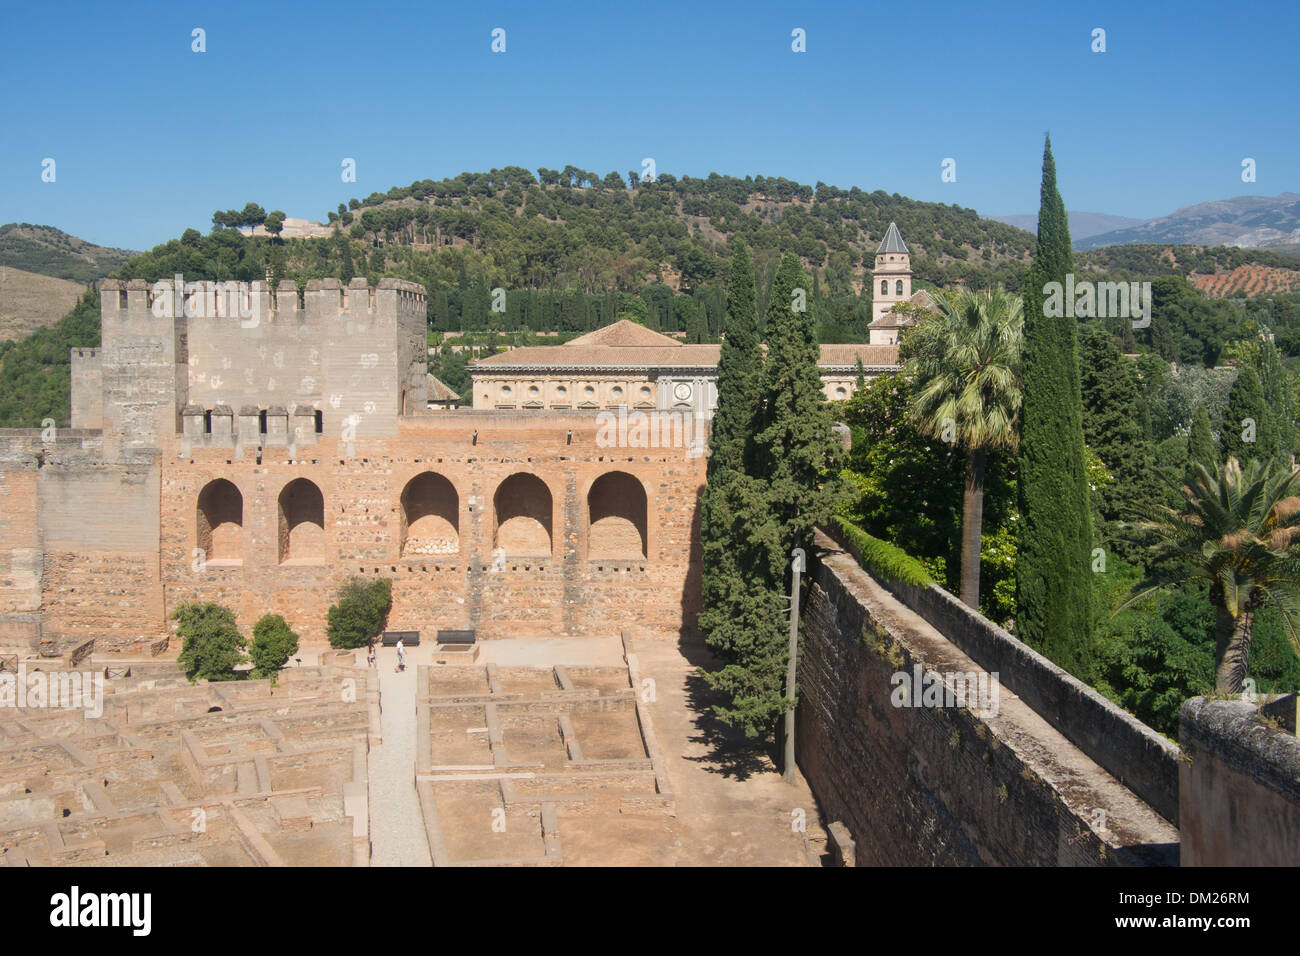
{"x": 731, "y": 753}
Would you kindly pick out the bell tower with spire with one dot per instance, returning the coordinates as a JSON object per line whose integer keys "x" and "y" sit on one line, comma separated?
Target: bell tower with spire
{"x": 893, "y": 274}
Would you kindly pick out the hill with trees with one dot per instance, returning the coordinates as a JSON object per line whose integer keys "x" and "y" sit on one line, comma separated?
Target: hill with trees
{"x": 52, "y": 252}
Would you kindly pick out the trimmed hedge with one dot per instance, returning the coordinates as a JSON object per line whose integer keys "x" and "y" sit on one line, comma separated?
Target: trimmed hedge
{"x": 880, "y": 557}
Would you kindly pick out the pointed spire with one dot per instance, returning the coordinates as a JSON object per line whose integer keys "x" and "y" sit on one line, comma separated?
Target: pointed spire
{"x": 893, "y": 242}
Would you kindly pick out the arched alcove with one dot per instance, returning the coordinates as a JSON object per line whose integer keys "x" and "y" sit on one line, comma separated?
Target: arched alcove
{"x": 301, "y": 523}
{"x": 220, "y": 516}
{"x": 616, "y": 517}
{"x": 522, "y": 505}
{"x": 430, "y": 516}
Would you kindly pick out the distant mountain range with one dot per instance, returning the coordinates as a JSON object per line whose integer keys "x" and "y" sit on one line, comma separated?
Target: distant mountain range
{"x": 1082, "y": 224}
{"x": 1250, "y": 222}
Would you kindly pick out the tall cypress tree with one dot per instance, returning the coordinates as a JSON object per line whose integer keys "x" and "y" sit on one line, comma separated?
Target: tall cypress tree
{"x": 796, "y": 446}
{"x": 1277, "y": 403}
{"x": 759, "y": 510}
{"x": 1247, "y": 425}
{"x": 742, "y": 613}
{"x": 1201, "y": 447}
{"x": 738, "y": 370}
{"x": 1053, "y": 564}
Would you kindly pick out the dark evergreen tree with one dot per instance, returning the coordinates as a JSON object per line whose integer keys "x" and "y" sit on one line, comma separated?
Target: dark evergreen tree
{"x": 1053, "y": 563}
{"x": 1112, "y": 429}
{"x": 1247, "y": 425}
{"x": 755, "y": 512}
{"x": 796, "y": 447}
{"x": 1201, "y": 446}
{"x": 739, "y": 366}
{"x": 1278, "y": 403}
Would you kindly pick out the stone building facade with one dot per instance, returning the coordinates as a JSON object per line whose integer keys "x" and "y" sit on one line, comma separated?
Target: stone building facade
{"x": 628, "y": 365}
{"x": 259, "y": 454}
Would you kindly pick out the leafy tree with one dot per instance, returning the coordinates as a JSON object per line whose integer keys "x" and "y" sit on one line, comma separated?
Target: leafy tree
{"x": 274, "y": 223}
{"x": 965, "y": 362}
{"x": 36, "y": 373}
{"x": 359, "y": 612}
{"x": 1239, "y": 530}
{"x": 1151, "y": 660}
{"x": 273, "y": 644}
{"x": 211, "y": 642}
{"x": 1053, "y": 589}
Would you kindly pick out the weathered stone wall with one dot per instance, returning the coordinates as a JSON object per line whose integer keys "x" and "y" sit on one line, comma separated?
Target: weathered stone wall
{"x": 1239, "y": 786}
{"x": 275, "y": 361}
{"x": 109, "y": 534}
{"x": 1132, "y": 752}
{"x": 943, "y": 785}
{"x": 563, "y": 593}
{"x": 21, "y": 563}
{"x": 87, "y": 389}
{"x": 142, "y": 361}
{"x": 99, "y": 533}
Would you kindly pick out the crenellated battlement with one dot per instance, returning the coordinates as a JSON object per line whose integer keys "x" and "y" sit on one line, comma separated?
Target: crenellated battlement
{"x": 350, "y": 352}
{"x": 232, "y": 299}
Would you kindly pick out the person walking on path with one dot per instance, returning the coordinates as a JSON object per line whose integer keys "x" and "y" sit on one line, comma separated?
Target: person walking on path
{"x": 401, "y": 655}
{"x": 370, "y": 654}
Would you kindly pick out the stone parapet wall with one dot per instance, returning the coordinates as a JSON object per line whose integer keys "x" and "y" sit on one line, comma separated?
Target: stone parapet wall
{"x": 944, "y": 785}
{"x": 1240, "y": 786}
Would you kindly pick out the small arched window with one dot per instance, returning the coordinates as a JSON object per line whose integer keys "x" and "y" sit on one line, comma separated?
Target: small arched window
{"x": 884, "y": 287}
{"x": 898, "y": 287}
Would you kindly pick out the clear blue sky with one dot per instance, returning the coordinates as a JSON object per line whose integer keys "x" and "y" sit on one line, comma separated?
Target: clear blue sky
{"x": 150, "y": 138}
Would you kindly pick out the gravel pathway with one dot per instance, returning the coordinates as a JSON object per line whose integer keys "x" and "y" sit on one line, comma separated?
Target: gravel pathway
{"x": 396, "y": 825}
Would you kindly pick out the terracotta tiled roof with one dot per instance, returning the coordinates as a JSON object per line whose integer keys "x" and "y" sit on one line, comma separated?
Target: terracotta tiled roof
{"x": 833, "y": 355}
{"x": 676, "y": 356}
{"x": 573, "y": 354}
{"x": 625, "y": 332}
{"x": 439, "y": 392}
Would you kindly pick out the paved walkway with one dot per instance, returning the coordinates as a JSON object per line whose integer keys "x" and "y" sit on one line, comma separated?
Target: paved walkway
{"x": 396, "y": 823}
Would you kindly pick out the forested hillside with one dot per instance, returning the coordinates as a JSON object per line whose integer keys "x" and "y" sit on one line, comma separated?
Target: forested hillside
{"x": 52, "y": 252}
{"x": 574, "y": 251}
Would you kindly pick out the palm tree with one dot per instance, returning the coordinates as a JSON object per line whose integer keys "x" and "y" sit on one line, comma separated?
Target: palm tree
{"x": 965, "y": 362}
{"x": 1239, "y": 528}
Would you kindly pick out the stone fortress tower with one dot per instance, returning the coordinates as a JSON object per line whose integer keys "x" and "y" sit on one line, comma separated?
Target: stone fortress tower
{"x": 263, "y": 448}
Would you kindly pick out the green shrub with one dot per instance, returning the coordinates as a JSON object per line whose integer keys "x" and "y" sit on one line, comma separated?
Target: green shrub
{"x": 880, "y": 557}
{"x": 358, "y": 615}
{"x": 273, "y": 644}
{"x": 212, "y": 642}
